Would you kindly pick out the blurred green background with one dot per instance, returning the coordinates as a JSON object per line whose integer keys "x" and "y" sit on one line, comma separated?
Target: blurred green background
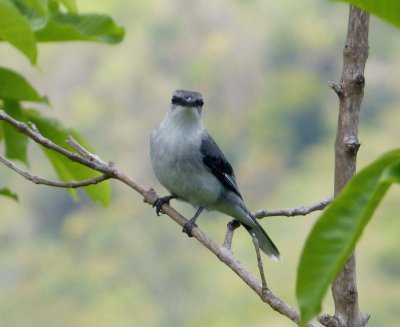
{"x": 263, "y": 68}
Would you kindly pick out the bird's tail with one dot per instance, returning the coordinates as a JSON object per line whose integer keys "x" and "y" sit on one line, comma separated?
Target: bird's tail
{"x": 265, "y": 242}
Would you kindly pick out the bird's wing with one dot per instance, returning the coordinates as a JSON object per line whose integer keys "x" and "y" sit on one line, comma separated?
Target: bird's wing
{"x": 215, "y": 161}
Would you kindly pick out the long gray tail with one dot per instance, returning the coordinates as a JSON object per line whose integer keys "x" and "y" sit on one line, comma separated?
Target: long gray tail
{"x": 266, "y": 244}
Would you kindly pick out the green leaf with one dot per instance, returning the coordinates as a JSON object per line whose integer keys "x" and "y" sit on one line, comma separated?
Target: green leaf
{"x": 85, "y": 27}
{"x": 70, "y": 5}
{"x": 35, "y": 11}
{"x": 66, "y": 169}
{"x": 336, "y": 232}
{"x": 16, "y": 143}
{"x": 1, "y": 131}
{"x": 15, "y": 87}
{"x": 15, "y": 29}
{"x": 388, "y": 10}
{"x": 6, "y": 192}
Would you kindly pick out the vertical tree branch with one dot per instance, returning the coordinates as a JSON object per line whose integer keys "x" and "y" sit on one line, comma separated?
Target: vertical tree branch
{"x": 350, "y": 92}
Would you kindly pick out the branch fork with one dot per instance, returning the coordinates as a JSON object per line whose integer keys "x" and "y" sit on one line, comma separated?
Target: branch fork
{"x": 338, "y": 88}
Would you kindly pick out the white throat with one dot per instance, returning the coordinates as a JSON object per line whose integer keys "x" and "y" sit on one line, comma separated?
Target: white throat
{"x": 186, "y": 120}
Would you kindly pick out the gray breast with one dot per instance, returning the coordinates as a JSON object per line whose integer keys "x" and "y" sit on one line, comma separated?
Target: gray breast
{"x": 178, "y": 166}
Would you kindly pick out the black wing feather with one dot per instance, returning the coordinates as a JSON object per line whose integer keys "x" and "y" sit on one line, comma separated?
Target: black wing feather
{"x": 216, "y": 162}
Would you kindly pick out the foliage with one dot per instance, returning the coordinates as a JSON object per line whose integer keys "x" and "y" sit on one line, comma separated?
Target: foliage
{"x": 15, "y": 29}
{"x": 6, "y": 192}
{"x": 23, "y": 24}
{"x": 15, "y": 87}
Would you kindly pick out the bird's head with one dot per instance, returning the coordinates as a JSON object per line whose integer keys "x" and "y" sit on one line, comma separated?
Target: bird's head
{"x": 188, "y": 99}
{"x": 186, "y": 105}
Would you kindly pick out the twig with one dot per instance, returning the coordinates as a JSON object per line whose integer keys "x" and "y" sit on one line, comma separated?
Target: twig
{"x": 150, "y": 196}
{"x": 297, "y": 211}
{"x": 337, "y": 88}
{"x": 82, "y": 151}
{"x": 230, "y": 228}
{"x": 260, "y": 265}
{"x": 35, "y": 135}
{"x": 40, "y": 180}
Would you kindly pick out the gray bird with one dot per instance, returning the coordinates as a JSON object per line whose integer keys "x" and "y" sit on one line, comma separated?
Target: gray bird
{"x": 190, "y": 165}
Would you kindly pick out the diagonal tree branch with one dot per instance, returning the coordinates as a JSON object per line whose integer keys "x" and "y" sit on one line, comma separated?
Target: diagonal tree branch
{"x": 224, "y": 254}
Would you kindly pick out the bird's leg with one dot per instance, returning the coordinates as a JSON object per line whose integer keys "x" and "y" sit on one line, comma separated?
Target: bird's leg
{"x": 161, "y": 201}
{"x": 187, "y": 228}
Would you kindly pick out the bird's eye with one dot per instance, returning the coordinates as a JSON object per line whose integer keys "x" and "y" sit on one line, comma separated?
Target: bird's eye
{"x": 176, "y": 100}
{"x": 199, "y": 103}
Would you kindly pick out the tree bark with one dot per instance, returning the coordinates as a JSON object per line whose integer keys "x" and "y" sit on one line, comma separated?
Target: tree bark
{"x": 350, "y": 92}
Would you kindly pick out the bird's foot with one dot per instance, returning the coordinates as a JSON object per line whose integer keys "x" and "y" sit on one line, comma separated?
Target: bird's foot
{"x": 161, "y": 201}
{"x": 189, "y": 225}
{"x": 233, "y": 224}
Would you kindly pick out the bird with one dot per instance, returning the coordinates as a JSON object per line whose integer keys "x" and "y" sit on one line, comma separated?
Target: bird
{"x": 191, "y": 166}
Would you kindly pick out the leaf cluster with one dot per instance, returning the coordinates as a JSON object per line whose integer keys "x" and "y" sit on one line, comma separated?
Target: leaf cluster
{"x": 24, "y": 24}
